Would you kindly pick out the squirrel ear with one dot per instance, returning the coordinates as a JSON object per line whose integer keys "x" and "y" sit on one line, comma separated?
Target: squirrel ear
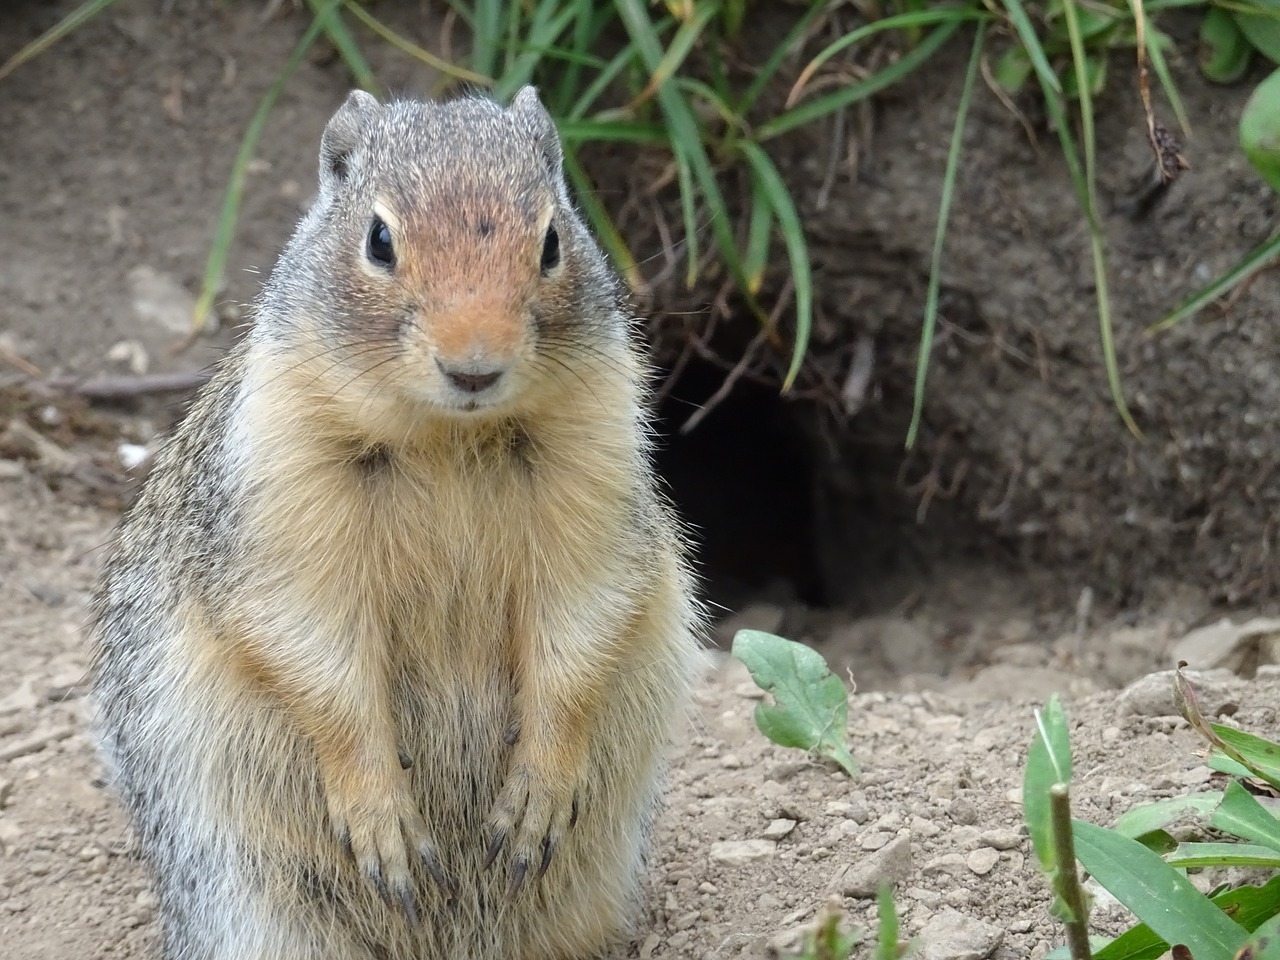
{"x": 342, "y": 136}
{"x": 528, "y": 109}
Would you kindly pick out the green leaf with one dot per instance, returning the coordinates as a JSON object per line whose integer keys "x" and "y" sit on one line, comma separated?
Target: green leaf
{"x": 1260, "y": 755}
{"x": 784, "y": 209}
{"x": 1095, "y": 74}
{"x": 1260, "y": 129}
{"x": 327, "y": 13}
{"x": 1248, "y": 906}
{"x": 810, "y": 707}
{"x": 1224, "y": 52}
{"x": 887, "y": 924}
{"x": 1241, "y": 815}
{"x": 1263, "y": 32}
{"x": 940, "y": 233}
{"x": 1190, "y": 855}
{"x": 1012, "y": 70}
{"x": 677, "y": 50}
{"x": 1150, "y": 817}
{"x": 1158, "y": 894}
{"x": 225, "y": 230}
{"x": 1265, "y": 942}
{"x": 1048, "y": 763}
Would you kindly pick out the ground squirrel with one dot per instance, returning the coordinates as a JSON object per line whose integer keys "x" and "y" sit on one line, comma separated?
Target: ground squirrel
{"x": 388, "y": 647}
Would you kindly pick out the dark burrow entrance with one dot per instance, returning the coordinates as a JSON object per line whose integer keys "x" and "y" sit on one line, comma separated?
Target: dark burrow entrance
{"x": 787, "y": 506}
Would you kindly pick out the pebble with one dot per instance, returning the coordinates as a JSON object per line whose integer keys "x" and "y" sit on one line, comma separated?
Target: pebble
{"x": 777, "y": 829}
{"x": 890, "y": 864}
{"x": 875, "y": 840}
{"x": 1001, "y": 839}
{"x": 952, "y": 864}
{"x": 738, "y": 853}
{"x": 963, "y": 811}
{"x": 983, "y": 860}
{"x": 950, "y": 935}
{"x": 650, "y": 944}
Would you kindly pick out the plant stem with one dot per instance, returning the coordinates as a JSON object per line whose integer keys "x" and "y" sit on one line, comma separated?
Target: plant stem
{"x": 1068, "y": 877}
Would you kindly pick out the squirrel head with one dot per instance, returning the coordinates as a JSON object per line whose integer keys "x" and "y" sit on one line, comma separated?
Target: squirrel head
{"x": 442, "y": 258}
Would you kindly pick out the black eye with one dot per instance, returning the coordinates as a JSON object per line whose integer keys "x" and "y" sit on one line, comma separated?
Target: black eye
{"x": 379, "y": 249}
{"x": 550, "y": 250}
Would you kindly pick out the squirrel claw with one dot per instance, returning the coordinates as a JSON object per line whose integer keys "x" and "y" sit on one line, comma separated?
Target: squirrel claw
{"x": 442, "y": 879}
{"x": 408, "y": 905}
{"x": 495, "y": 847}
{"x": 518, "y": 873}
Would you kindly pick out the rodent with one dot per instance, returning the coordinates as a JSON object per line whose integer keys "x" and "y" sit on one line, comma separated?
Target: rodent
{"x": 388, "y": 647}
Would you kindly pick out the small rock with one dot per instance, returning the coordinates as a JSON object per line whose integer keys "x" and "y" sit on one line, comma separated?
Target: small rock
{"x": 10, "y": 834}
{"x": 963, "y": 811}
{"x": 705, "y": 887}
{"x": 952, "y": 864}
{"x": 161, "y": 299}
{"x": 950, "y": 935}
{"x": 685, "y": 921}
{"x": 1152, "y": 695}
{"x": 6, "y": 791}
{"x": 875, "y": 841}
{"x": 983, "y": 860}
{"x": 890, "y": 864}
{"x": 777, "y": 829}
{"x": 739, "y": 853}
{"x": 650, "y": 944}
{"x": 12, "y": 470}
{"x": 1001, "y": 839}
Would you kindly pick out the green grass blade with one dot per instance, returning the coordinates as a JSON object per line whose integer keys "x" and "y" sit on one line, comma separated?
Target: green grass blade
{"x": 779, "y": 53}
{"x": 822, "y": 106}
{"x": 1249, "y": 906}
{"x": 589, "y": 21}
{"x": 1155, "y": 54}
{"x": 405, "y": 45}
{"x": 1150, "y": 817}
{"x": 330, "y": 16}
{"x": 1158, "y": 894}
{"x": 886, "y": 924}
{"x": 1223, "y": 855}
{"x": 1256, "y": 259}
{"x": 225, "y": 231}
{"x": 613, "y": 131}
{"x": 940, "y": 233}
{"x": 542, "y": 38}
{"x": 793, "y": 240}
{"x": 72, "y": 21}
{"x": 678, "y": 48}
{"x": 588, "y": 97}
{"x": 1030, "y": 40}
{"x": 485, "y": 35}
{"x": 601, "y": 223}
{"x": 902, "y": 21}
{"x": 1097, "y": 241}
{"x": 1048, "y": 763}
{"x": 759, "y": 235}
{"x": 1241, "y": 815}
{"x": 689, "y": 214}
{"x": 685, "y": 137}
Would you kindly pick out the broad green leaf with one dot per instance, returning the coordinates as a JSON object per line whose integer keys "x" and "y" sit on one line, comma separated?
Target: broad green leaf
{"x": 1260, "y": 129}
{"x": 1241, "y": 815}
{"x": 1248, "y": 906}
{"x": 1160, "y": 896}
{"x": 1012, "y": 70}
{"x": 1264, "y": 944}
{"x": 1048, "y": 763}
{"x": 1260, "y": 755}
{"x": 810, "y": 705}
{"x": 1156, "y": 816}
{"x": 1223, "y": 855}
{"x": 1263, "y": 32}
{"x": 1224, "y": 51}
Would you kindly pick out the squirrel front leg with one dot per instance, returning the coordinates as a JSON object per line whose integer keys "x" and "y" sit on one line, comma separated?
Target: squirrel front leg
{"x": 565, "y": 655}
{"x": 336, "y": 694}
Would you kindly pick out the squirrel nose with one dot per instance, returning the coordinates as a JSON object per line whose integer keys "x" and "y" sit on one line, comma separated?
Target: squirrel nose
{"x": 468, "y": 378}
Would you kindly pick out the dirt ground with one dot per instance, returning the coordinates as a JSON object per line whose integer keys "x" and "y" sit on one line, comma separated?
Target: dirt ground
{"x": 112, "y": 164}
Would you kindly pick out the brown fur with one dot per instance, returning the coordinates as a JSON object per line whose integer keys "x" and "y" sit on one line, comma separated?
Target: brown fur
{"x": 386, "y": 663}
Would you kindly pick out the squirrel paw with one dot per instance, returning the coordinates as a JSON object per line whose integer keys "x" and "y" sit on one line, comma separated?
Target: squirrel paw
{"x": 380, "y": 834}
{"x": 530, "y": 817}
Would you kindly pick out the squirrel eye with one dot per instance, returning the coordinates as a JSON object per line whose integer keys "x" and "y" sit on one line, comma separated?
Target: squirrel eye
{"x": 379, "y": 249}
{"x": 550, "y": 250}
